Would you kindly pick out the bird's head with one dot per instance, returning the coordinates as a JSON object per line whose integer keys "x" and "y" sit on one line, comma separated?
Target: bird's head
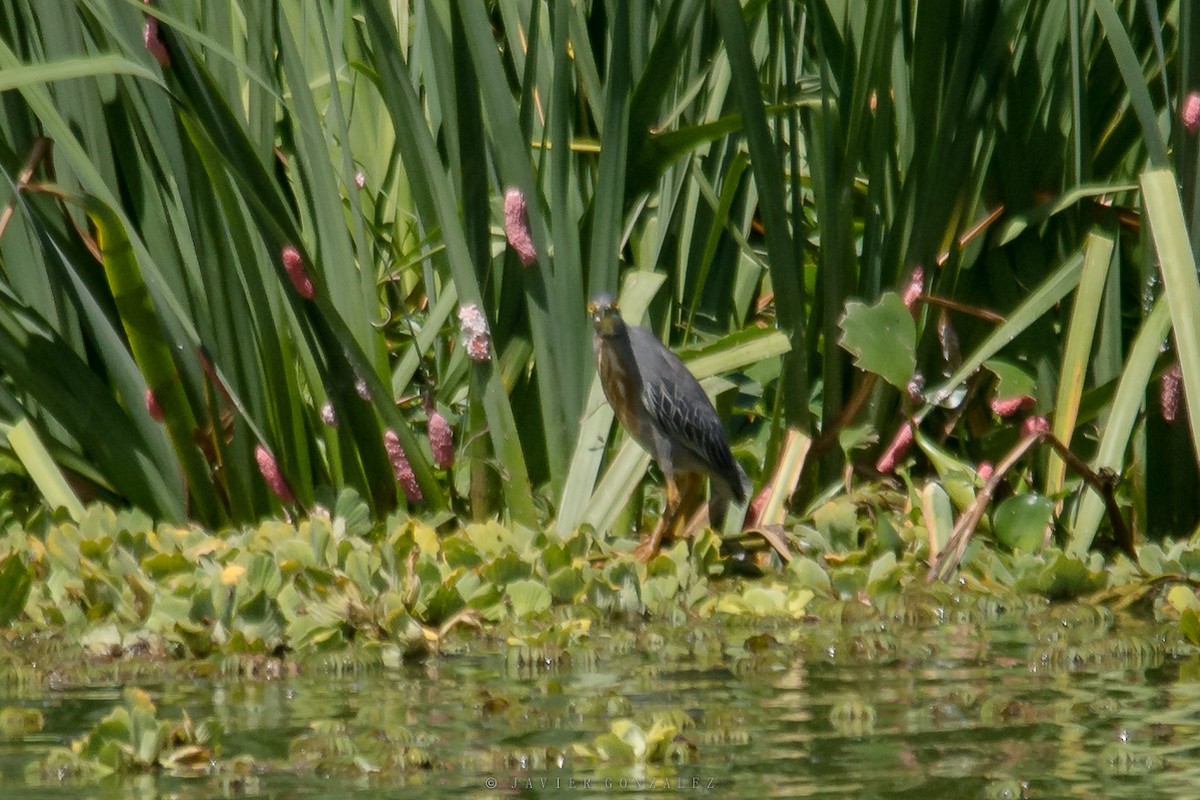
{"x": 606, "y": 315}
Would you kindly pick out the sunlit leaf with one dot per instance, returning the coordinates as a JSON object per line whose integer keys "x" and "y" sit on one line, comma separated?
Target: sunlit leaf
{"x": 882, "y": 338}
{"x": 528, "y": 597}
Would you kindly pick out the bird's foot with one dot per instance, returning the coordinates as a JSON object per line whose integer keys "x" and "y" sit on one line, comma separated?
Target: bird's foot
{"x": 649, "y": 548}
{"x": 645, "y": 551}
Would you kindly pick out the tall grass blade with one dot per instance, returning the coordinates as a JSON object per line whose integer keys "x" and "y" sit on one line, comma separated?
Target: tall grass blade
{"x": 1164, "y": 212}
{"x": 28, "y": 447}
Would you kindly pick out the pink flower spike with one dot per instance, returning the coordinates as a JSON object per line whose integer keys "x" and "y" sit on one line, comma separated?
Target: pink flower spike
{"x": 401, "y": 467}
{"x": 271, "y": 474}
{"x": 1007, "y": 406}
{"x": 1190, "y": 113}
{"x": 152, "y": 407}
{"x": 985, "y": 470}
{"x": 293, "y": 264}
{"x": 360, "y": 180}
{"x": 896, "y": 449}
{"x": 1168, "y": 392}
{"x": 1034, "y": 426}
{"x": 441, "y": 440}
{"x": 477, "y": 348}
{"x": 154, "y": 44}
{"x": 476, "y": 338}
{"x": 516, "y": 226}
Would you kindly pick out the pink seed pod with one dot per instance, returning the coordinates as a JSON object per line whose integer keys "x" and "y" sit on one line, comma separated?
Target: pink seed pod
{"x": 1169, "y": 391}
{"x": 1034, "y": 426}
{"x": 441, "y": 440}
{"x": 476, "y": 338}
{"x": 477, "y": 348}
{"x": 896, "y": 450}
{"x": 293, "y": 264}
{"x": 400, "y": 466}
{"x": 329, "y": 415}
{"x": 152, "y": 41}
{"x": 1190, "y": 113}
{"x": 516, "y": 226}
{"x": 913, "y": 290}
{"x": 1007, "y": 406}
{"x": 152, "y": 407}
{"x": 985, "y": 470}
{"x": 271, "y": 474}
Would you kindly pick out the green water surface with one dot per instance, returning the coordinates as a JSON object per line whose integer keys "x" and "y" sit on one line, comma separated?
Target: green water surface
{"x": 927, "y": 702}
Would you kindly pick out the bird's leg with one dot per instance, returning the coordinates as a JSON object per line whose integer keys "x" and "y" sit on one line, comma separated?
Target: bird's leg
{"x": 685, "y": 504}
{"x": 691, "y": 504}
{"x": 649, "y": 548}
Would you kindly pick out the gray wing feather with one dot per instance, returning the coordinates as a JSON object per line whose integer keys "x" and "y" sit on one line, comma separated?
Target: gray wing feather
{"x": 683, "y": 411}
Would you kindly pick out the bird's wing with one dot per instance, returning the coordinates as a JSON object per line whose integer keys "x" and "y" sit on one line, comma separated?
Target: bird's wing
{"x": 681, "y": 408}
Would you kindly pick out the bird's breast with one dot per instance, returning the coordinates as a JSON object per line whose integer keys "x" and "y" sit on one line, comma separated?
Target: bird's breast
{"x": 621, "y": 388}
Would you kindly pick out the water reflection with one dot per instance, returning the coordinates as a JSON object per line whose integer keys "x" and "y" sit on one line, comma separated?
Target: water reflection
{"x": 1043, "y": 701}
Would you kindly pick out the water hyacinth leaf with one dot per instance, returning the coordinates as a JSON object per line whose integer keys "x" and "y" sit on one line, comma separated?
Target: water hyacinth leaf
{"x": 528, "y": 597}
{"x": 15, "y": 583}
{"x": 1183, "y": 598}
{"x": 1011, "y": 380}
{"x": 809, "y": 574}
{"x": 1060, "y": 576}
{"x": 1020, "y": 521}
{"x": 565, "y": 584}
{"x": 1189, "y": 623}
{"x": 882, "y": 338}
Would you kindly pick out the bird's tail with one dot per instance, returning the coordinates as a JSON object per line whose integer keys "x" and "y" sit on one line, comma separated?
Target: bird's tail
{"x": 723, "y": 492}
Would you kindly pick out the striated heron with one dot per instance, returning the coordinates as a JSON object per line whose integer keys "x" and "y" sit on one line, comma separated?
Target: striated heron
{"x": 663, "y": 407}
